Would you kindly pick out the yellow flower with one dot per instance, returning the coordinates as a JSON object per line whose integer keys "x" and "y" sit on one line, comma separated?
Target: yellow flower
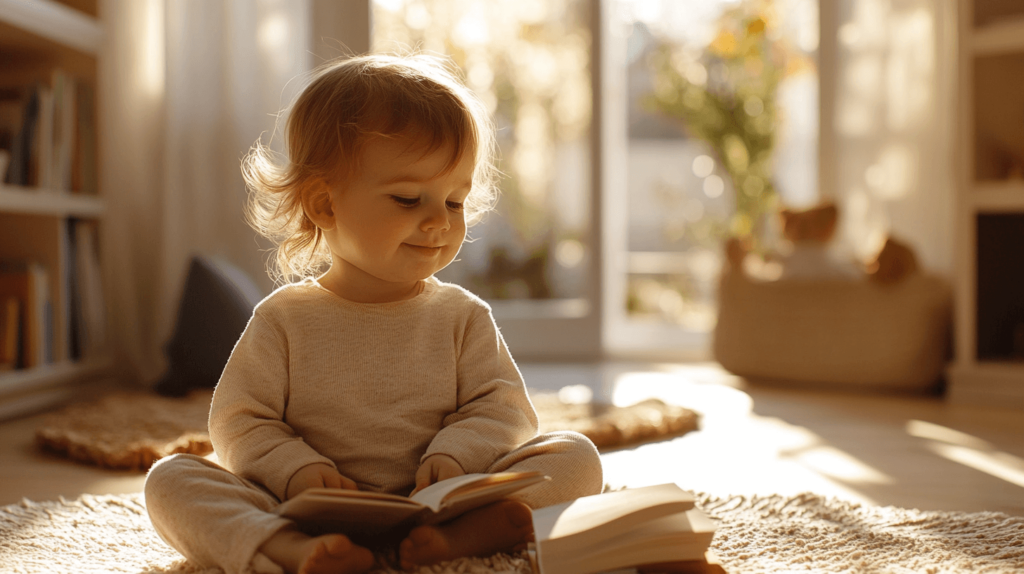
{"x": 755, "y": 27}
{"x": 724, "y": 44}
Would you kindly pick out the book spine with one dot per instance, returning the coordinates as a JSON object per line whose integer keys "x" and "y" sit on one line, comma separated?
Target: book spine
{"x": 29, "y": 284}
{"x": 84, "y": 174}
{"x": 41, "y": 324}
{"x": 42, "y": 164}
{"x": 90, "y": 289}
{"x": 10, "y": 332}
{"x": 18, "y": 173}
{"x": 52, "y": 142}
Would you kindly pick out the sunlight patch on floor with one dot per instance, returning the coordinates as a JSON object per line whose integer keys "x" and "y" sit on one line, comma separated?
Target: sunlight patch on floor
{"x": 998, "y": 464}
{"x": 923, "y": 429}
{"x": 117, "y": 485}
{"x": 735, "y": 451}
{"x": 712, "y": 400}
{"x": 969, "y": 451}
{"x": 834, "y": 463}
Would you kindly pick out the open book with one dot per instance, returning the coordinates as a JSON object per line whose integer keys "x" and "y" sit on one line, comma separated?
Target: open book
{"x": 628, "y": 528}
{"x": 365, "y": 512}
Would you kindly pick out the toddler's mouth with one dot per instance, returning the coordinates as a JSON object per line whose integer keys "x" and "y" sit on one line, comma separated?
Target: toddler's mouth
{"x": 424, "y": 249}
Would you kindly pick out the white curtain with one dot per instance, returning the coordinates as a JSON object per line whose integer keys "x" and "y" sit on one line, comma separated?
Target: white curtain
{"x": 894, "y": 122}
{"x": 185, "y": 87}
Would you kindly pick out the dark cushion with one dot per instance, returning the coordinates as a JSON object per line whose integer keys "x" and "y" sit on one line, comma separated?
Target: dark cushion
{"x": 216, "y": 305}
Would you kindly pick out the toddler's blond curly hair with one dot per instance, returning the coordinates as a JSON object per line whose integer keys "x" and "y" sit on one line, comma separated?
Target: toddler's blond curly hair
{"x": 346, "y": 103}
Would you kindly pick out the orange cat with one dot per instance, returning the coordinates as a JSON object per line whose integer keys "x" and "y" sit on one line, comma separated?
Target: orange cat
{"x": 810, "y": 231}
{"x": 894, "y": 262}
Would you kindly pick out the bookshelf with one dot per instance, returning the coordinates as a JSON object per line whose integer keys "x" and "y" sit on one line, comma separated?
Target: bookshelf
{"x": 989, "y": 344}
{"x": 53, "y": 221}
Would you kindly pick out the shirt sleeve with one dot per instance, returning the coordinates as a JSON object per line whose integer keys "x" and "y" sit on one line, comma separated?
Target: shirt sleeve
{"x": 247, "y": 417}
{"x": 494, "y": 414}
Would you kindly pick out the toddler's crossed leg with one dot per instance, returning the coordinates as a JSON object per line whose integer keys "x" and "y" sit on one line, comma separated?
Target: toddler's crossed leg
{"x": 215, "y": 518}
{"x": 574, "y": 466}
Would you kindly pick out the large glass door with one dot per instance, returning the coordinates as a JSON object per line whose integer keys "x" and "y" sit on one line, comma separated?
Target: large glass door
{"x": 718, "y": 118}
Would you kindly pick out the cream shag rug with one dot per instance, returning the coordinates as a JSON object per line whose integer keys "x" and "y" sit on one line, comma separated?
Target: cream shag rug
{"x": 132, "y": 430}
{"x": 806, "y": 533}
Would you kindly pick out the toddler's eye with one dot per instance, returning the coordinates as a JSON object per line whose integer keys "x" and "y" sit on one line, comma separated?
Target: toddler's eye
{"x": 454, "y": 205}
{"x": 405, "y": 201}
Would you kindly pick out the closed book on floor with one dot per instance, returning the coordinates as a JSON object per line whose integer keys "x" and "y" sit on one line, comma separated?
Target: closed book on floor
{"x": 655, "y": 524}
{"x": 365, "y": 512}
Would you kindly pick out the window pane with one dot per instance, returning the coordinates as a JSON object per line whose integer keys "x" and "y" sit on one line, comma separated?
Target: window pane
{"x": 722, "y": 124}
{"x": 529, "y": 61}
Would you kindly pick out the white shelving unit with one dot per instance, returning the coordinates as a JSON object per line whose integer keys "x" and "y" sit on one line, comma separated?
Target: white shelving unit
{"x": 23, "y": 200}
{"x": 990, "y": 189}
{"x": 37, "y": 37}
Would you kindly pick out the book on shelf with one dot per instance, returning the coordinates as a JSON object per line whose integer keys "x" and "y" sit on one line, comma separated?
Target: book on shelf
{"x": 84, "y": 306}
{"x": 84, "y": 175}
{"x": 361, "y": 512}
{"x": 10, "y": 332}
{"x": 635, "y": 528}
{"x": 20, "y": 129}
{"x": 28, "y": 282}
{"x": 49, "y": 130}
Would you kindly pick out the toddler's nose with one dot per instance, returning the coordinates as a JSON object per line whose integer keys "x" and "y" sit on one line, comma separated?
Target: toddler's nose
{"x": 436, "y": 219}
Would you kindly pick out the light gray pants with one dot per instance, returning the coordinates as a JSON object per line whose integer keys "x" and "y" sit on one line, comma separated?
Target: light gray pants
{"x": 215, "y": 518}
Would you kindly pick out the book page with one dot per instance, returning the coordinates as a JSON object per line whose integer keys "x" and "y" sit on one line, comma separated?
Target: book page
{"x": 618, "y": 511}
{"x": 469, "y": 486}
{"x": 475, "y": 495}
{"x": 682, "y": 530}
{"x": 363, "y": 511}
{"x": 684, "y": 536}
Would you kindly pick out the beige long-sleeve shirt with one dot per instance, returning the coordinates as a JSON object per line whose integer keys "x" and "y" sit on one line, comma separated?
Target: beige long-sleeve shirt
{"x": 371, "y": 389}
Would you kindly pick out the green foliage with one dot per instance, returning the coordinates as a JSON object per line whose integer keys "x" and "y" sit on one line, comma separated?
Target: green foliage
{"x": 726, "y": 96}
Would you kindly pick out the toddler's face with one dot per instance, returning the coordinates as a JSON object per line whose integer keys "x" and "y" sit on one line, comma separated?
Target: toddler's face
{"x": 399, "y": 219}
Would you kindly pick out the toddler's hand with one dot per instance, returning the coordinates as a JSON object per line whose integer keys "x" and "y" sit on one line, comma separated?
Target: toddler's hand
{"x": 436, "y": 468}
{"x": 318, "y": 475}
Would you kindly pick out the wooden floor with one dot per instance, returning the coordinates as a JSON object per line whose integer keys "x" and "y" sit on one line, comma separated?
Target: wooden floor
{"x": 900, "y": 450}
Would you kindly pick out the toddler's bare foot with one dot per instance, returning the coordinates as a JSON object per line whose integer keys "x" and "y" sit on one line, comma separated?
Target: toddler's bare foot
{"x": 330, "y": 553}
{"x": 335, "y": 554}
{"x": 497, "y": 527}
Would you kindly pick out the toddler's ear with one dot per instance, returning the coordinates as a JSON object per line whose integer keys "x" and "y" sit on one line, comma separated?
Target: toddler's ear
{"x": 316, "y": 203}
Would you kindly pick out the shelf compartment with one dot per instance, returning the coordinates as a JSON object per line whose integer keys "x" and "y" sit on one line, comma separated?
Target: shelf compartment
{"x": 997, "y": 197}
{"x": 1000, "y": 301}
{"x": 999, "y": 38}
{"x": 52, "y": 375}
{"x": 988, "y": 383}
{"x": 32, "y": 390}
{"x": 986, "y": 12}
{"x": 55, "y": 22}
{"x": 14, "y": 199}
{"x": 998, "y": 117}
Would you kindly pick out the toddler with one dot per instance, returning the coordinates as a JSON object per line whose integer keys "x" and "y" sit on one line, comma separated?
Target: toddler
{"x": 373, "y": 375}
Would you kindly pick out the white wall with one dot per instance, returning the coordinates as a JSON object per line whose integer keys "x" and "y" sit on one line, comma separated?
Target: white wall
{"x": 890, "y": 165}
